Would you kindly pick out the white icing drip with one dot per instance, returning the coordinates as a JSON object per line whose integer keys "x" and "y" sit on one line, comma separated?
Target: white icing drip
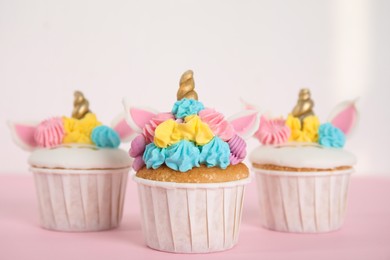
{"x": 80, "y": 157}
{"x": 304, "y": 156}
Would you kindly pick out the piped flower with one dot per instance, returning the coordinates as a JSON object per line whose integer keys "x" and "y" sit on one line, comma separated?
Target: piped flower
{"x": 331, "y": 136}
{"x": 272, "y": 131}
{"x": 182, "y": 156}
{"x": 50, "y": 132}
{"x": 186, "y": 107}
{"x": 80, "y": 130}
{"x": 217, "y": 123}
{"x": 237, "y": 148}
{"x": 104, "y": 136}
{"x": 215, "y": 153}
{"x": 153, "y": 123}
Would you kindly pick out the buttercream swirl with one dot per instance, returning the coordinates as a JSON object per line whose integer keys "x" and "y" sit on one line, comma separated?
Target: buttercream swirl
{"x": 273, "y": 131}
{"x": 193, "y": 129}
{"x": 50, "y": 132}
{"x": 182, "y": 156}
{"x": 330, "y": 136}
{"x": 153, "y": 123}
{"x": 79, "y": 130}
{"x": 215, "y": 153}
{"x": 153, "y": 156}
{"x": 136, "y": 151}
{"x": 217, "y": 123}
{"x": 186, "y": 107}
{"x": 104, "y": 136}
{"x": 237, "y": 148}
{"x": 307, "y": 133}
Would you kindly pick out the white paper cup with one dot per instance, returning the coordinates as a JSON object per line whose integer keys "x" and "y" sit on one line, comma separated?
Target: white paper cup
{"x": 80, "y": 200}
{"x": 302, "y": 202}
{"x": 191, "y": 218}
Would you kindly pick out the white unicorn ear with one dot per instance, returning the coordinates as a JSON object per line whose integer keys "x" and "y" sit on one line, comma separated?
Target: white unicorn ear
{"x": 245, "y": 123}
{"x": 345, "y": 116}
{"x": 23, "y": 134}
{"x": 249, "y": 106}
{"x": 137, "y": 117}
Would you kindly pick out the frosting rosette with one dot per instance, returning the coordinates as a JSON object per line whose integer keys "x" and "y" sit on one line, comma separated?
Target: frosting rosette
{"x": 182, "y": 156}
{"x": 330, "y": 136}
{"x": 274, "y": 131}
{"x": 150, "y": 127}
{"x": 215, "y": 153}
{"x": 186, "y": 107}
{"x": 154, "y": 156}
{"x": 50, "y": 132}
{"x": 237, "y": 148}
{"x": 80, "y": 130}
{"x": 104, "y": 136}
{"x": 217, "y": 123}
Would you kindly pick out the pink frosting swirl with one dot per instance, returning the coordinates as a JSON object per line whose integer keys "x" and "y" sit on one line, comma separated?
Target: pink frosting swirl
{"x": 217, "y": 123}
{"x": 153, "y": 123}
{"x": 50, "y": 132}
{"x": 272, "y": 131}
{"x": 136, "y": 151}
{"x": 237, "y": 149}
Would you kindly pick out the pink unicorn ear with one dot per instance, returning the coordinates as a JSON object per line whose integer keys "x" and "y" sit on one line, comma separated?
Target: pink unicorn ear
{"x": 345, "y": 117}
{"x": 23, "y": 134}
{"x": 245, "y": 123}
{"x": 119, "y": 124}
{"x": 137, "y": 117}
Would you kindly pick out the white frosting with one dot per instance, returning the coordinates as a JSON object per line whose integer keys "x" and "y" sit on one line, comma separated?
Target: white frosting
{"x": 80, "y": 157}
{"x": 302, "y": 156}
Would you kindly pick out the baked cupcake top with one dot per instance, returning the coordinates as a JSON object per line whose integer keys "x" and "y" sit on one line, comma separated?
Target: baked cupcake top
{"x": 190, "y": 135}
{"x": 93, "y": 144}
{"x": 301, "y": 142}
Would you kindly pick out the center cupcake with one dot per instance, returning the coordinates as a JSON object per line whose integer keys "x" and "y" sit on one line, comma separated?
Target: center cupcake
{"x": 190, "y": 176}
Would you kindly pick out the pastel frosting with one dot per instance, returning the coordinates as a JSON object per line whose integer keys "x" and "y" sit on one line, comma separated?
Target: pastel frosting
{"x": 79, "y": 156}
{"x": 302, "y": 156}
{"x": 186, "y": 107}
{"x": 50, "y": 132}
{"x": 330, "y": 136}
{"x": 186, "y": 138}
{"x": 104, "y": 136}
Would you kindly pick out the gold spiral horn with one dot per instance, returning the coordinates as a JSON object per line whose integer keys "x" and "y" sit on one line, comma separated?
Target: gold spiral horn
{"x": 304, "y": 106}
{"x": 80, "y": 105}
{"x": 187, "y": 86}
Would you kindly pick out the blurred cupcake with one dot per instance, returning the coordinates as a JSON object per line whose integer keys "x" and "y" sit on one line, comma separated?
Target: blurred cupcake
{"x": 79, "y": 172}
{"x": 302, "y": 172}
{"x": 190, "y": 175}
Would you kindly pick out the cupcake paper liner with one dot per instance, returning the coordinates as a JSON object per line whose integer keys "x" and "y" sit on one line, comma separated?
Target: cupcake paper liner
{"x": 80, "y": 200}
{"x": 302, "y": 202}
{"x": 191, "y": 218}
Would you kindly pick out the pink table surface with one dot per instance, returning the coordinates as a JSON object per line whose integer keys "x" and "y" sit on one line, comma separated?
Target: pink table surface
{"x": 365, "y": 234}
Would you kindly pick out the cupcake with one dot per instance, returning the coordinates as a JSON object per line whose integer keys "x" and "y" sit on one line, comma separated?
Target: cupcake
{"x": 302, "y": 171}
{"x": 80, "y": 174}
{"x": 189, "y": 172}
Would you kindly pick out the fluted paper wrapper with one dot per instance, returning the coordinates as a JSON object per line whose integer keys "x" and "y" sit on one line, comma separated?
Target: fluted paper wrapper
{"x": 80, "y": 200}
{"x": 302, "y": 202}
{"x": 191, "y": 218}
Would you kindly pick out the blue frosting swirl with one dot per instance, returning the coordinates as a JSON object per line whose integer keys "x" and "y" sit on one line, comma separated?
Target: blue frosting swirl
{"x": 330, "y": 136}
{"x": 104, "y": 136}
{"x": 215, "y": 153}
{"x": 182, "y": 156}
{"x": 153, "y": 156}
{"x": 186, "y": 107}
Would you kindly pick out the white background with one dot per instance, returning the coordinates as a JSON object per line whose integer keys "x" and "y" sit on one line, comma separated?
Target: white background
{"x": 262, "y": 51}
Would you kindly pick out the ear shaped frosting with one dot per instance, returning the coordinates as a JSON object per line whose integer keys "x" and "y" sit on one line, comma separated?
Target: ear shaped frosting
{"x": 249, "y": 106}
{"x": 345, "y": 117}
{"x": 23, "y": 134}
{"x": 119, "y": 124}
{"x": 137, "y": 117}
{"x": 245, "y": 123}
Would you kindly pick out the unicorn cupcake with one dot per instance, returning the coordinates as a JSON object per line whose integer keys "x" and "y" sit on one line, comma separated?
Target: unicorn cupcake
{"x": 80, "y": 173}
